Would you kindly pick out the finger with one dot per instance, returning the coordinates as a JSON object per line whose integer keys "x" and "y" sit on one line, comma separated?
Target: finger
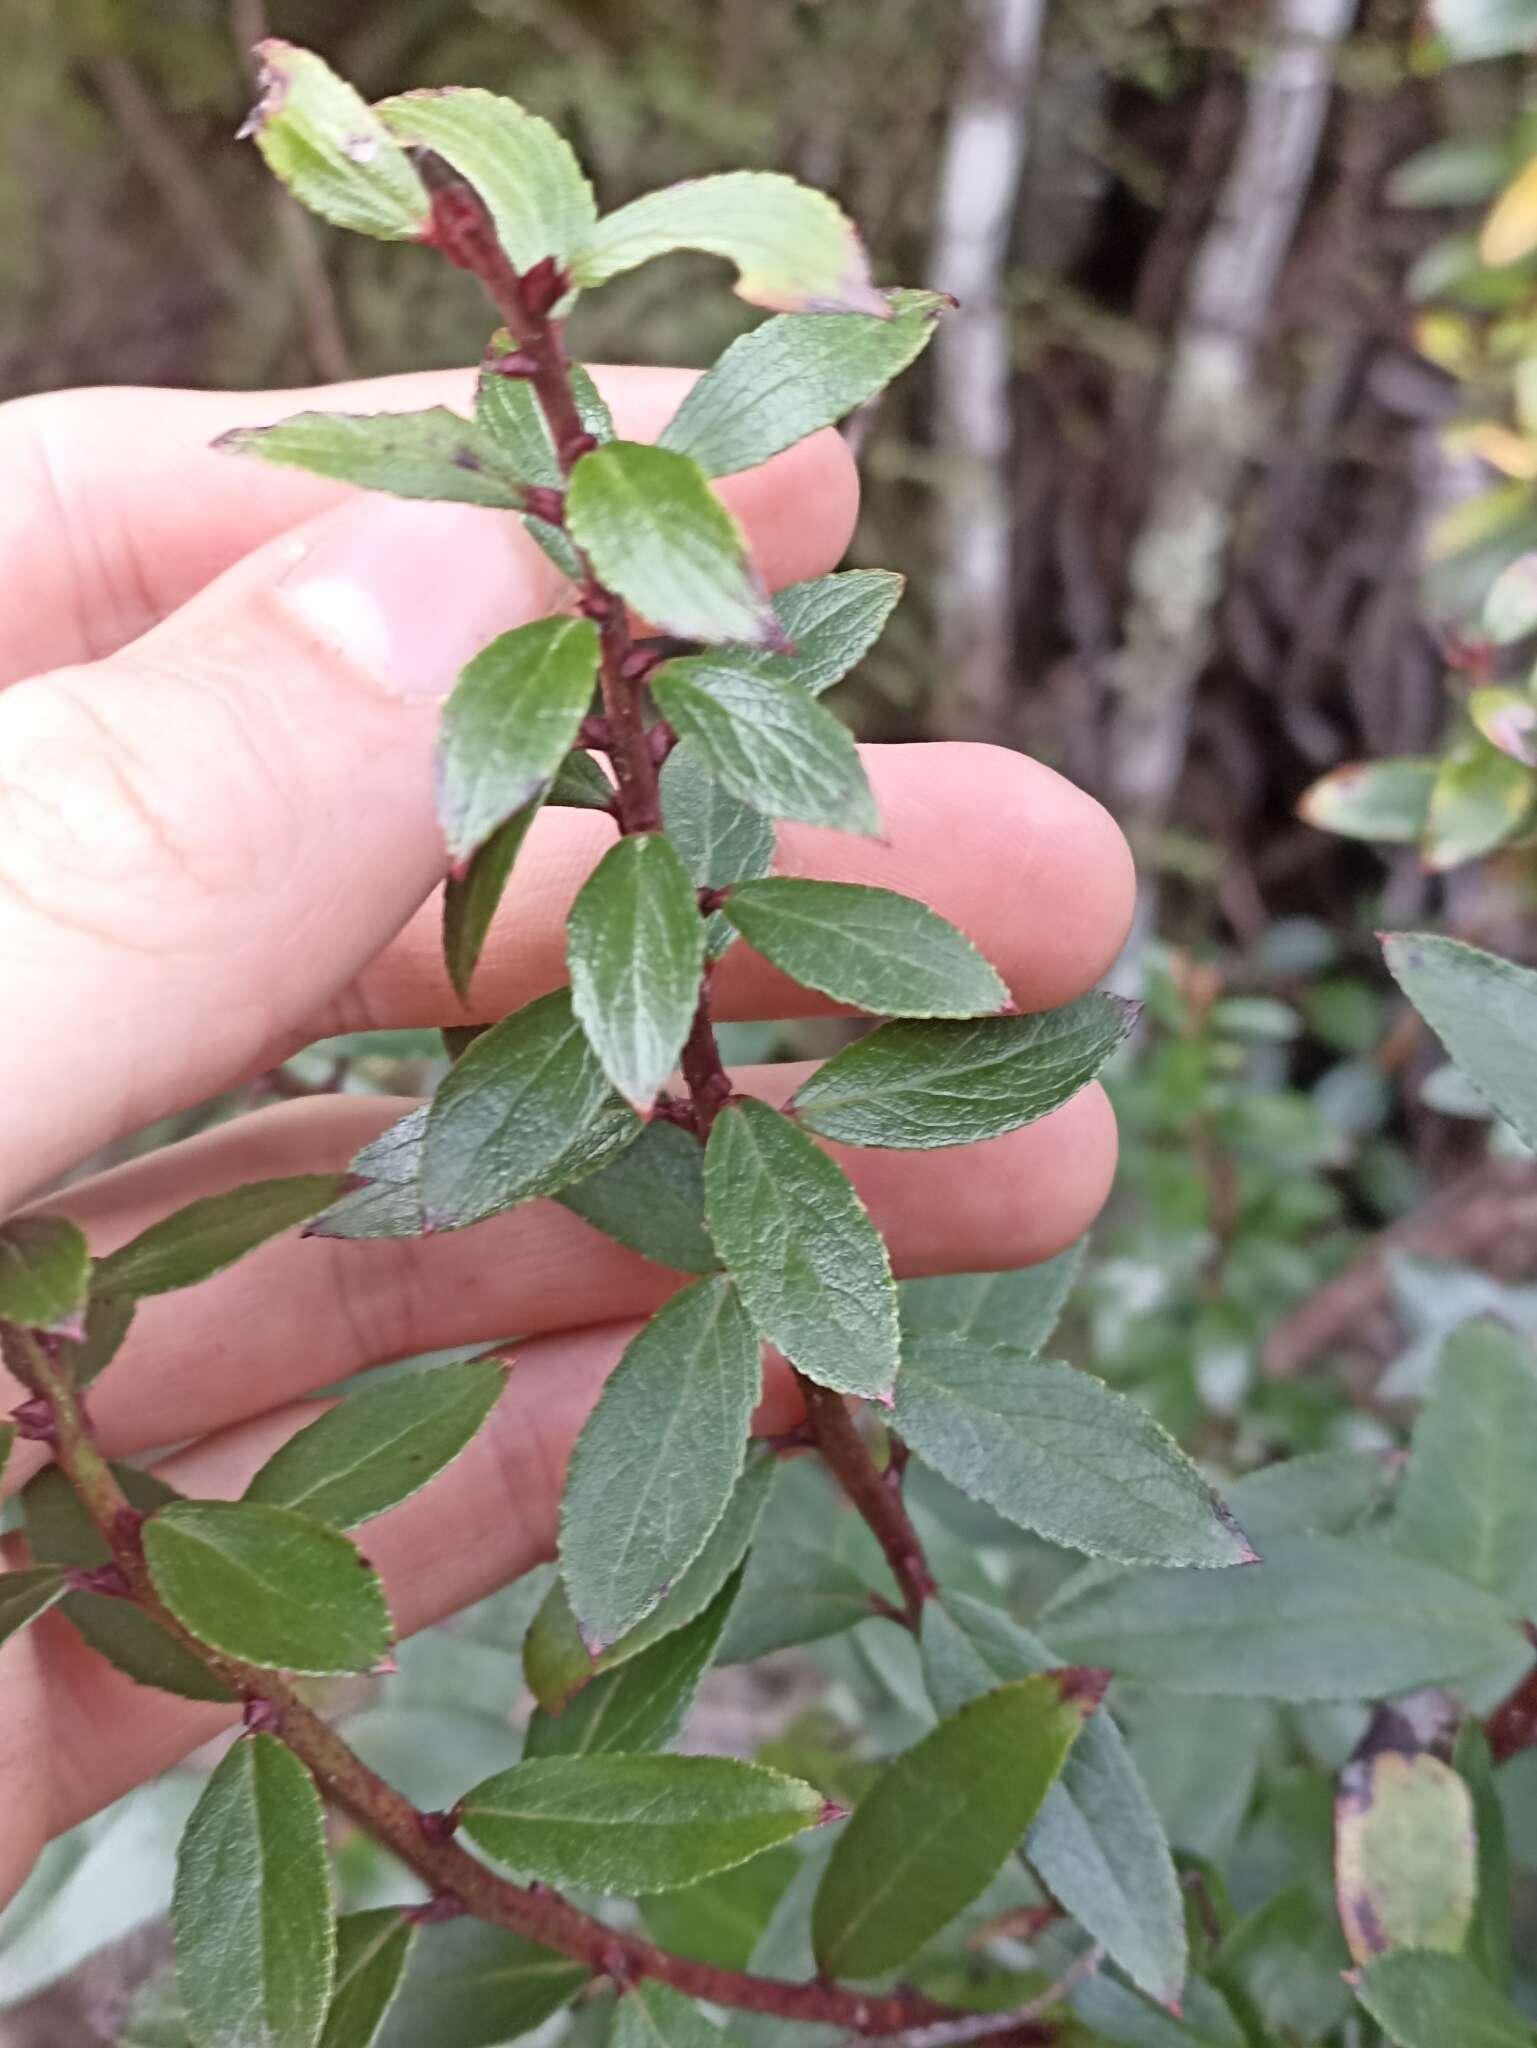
{"x": 492, "y": 1521}
{"x": 207, "y": 836}
{"x": 118, "y": 509}
{"x": 1033, "y": 870}
{"x": 297, "y": 1316}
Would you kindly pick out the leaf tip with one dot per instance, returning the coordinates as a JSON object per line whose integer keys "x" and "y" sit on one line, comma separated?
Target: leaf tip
{"x": 1083, "y": 1686}
{"x": 829, "y": 1811}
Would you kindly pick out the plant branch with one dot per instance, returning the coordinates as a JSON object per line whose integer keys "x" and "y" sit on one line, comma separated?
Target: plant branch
{"x": 424, "y": 1842}
{"x": 848, "y": 1458}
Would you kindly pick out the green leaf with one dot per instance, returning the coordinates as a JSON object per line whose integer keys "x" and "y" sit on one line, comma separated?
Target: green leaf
{"x": 525, "y": 1112}
{"x": 1489, "y": 1940}
{"x": 45, "y": 1273}
{"x": 721, "y": 1919}
{"x": 629, "y": 1824}
{"x": 268, "y": 1585}
{"x": 941, "y": 1819}
{"x": 1097, "y": 1841}
{"x": 635, "y": 947}
{"x": 1481, "y": 797}
{"x": 1384, "y": 800}
{"x": 385, "y": 1199}
{"x": 379, "y": 1446}
{"x": 332, "y": 151}
{"x": 1286, "y": 1963}
{"x": 833, "y": 622}
{"x": 580, "y": 785}
{"x": 651, "y": 1199}
{"x": 652, "y": 2015}
{"x": 767, "y": 742}
{"x": 1019, "y": 1307}
{"x": 657, "y": 1460}
{"x": 508, "y": 413}
{"x": 1484, "y": 1011}
{"x": 1323, "y": 1618}
{"x": 470, "y": 900}
{"x": 793, "y": 375}
{"x": 7, "y": 1444}
{"x": 1510, "y": 609}
{"x": 512, "y": 719}
{"x": 1404, "y": 1859}
{"x": 654, "y": 532}
{"x": 251, "y": 1911}
{"x": 60, "y": 1532}
{"x": 433, "y": 454}
{"x": 1468, "y": 1503}
{"x": 641, "y": 1703}
{"x": 27, "y": 1592}
{"x": 1508, "y": 720}
{"x": 106, "y": 1325}
{"x": 794, "y": 250}
{"x": 812, "y": 1270}
{"x": 719, "y": 838}
{"x": 1427, "y": 2000}
{"x": 869, "y": 947}
{"x": 372, "y": 1950}
{"x": 205, "y": 1237}
{"x": 916, "y": 1086}
{"x": 525, "y": 171}
{"x": 468, "y": 1985}
{"x": 792, "y": 1594}
{"x": 1325, "y": 1493}
{"x": 1058, "y": 1452}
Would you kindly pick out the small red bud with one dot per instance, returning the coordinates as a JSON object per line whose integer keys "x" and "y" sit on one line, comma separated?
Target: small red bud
{"x": 262, "y": 1716}
{"x": 105, "y": 1579}
{"x": 519, "y": 364}
{"x": 550, "y": 506}
{"x": 639, "y": 663}
{"x": 577, "y": 446}
{"x": 542, "y": 286}
{"x": 710, "y": 900}
{"x": 444, "y": 1906}
{"x": 596, "y": 734}
{"x": 34, "y": 1422}
{"x": 661, "y": 739}
{"x": 440, "y": 1825}
{"x": 596, "y": 605}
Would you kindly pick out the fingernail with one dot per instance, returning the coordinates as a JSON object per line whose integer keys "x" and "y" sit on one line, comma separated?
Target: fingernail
{"x": 408, "y": 592}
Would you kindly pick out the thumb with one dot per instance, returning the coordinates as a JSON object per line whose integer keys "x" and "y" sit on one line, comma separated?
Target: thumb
{"x": 206, "y": 836}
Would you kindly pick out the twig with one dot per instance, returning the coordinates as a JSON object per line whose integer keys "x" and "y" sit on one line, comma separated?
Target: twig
{"x": 1020, "y": 2022}
{"x": 848, "y": 1458}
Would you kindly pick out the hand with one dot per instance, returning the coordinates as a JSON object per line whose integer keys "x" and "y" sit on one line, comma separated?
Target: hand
{"x": 216, "y": 844}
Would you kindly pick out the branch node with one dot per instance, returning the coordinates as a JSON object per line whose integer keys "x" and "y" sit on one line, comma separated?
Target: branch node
{"x": 441, "y": 1906}
{"x": 441, "y": 1824}
{"x": 34, "y": 1420}
{"x": 261, "y": 1716}
{"x": 106, "y": 1579}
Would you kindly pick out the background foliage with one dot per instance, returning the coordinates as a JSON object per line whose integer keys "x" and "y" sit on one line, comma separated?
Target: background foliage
{"x": 1312, "y": 1200}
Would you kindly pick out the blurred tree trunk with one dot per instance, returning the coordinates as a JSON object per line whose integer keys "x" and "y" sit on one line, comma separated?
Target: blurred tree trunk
{"x": 979, "y": 180}
{"x": 1211, "y": 421}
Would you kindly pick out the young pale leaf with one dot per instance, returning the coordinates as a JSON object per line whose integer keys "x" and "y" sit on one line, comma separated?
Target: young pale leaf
{"x": 525, "y": 1112}
{"x": 811, "y": 1267}
{"x": 45, "y": 1273}
{"x": 640, "y": 1704}
{"x": 512, "y": 719}
{"x": 792, "y": 1594}
{"x": 1484, "y": 1011}
{"x": 470, "y": 900}
{"x": 1468, "y": 1502}
{"x": 869, "y": 947}
{"x": 372, "y": 1950}
{"x": 1097, "y": 1841}
{"x": 386, "y": 1198}
{"x": 651, "y": 1199}
{"x": 60, "y": 1532}
{"x": 719, "y": 838}
{"x": 525, "y": 171}
{"x": 268, "y": 1585}
{"x": 1405, "y": 1871}
{"x": 206, "y": 1236}
{"x": 1387, "y": 801}
{"x": 251, "y": 1909}
{"x": 794, "y": 249}
{"x": 656, "y": 1463}
{"x": 655, "y": 2016}
{"x": 629, "y": 1824}
{"x": 767, "y": 742}
{"x": 1019, "y": 1307}
{"x": 332, "y": 151}
{"x": 793, "y": 375}
{"x": 1323, "y": 1618}
{"x": 26, "y": 1593}
{"x": 1510, "y": 609}
{"x": 468, "y": 1985}
{"x": 1489, "y": 1939}
{"x": 941, "y": 1819}
{"x": 1057, "y": 1451}
{"x": 635, "y": 947}
{"x": 654, "y": 531}
{"x": 377, "y": 1447}
{"x": 433, "y": 454}
{"x": 915, "y": 1086}
{"x": 1425, "y": 2000}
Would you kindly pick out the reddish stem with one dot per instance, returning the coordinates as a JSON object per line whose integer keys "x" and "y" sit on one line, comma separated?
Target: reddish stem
{"x": 848, "y": 1457}
{"x": 1512, "y": 1726}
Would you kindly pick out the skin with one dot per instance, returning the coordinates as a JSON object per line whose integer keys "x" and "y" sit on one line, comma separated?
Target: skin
{"x": 217, "y": 843}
